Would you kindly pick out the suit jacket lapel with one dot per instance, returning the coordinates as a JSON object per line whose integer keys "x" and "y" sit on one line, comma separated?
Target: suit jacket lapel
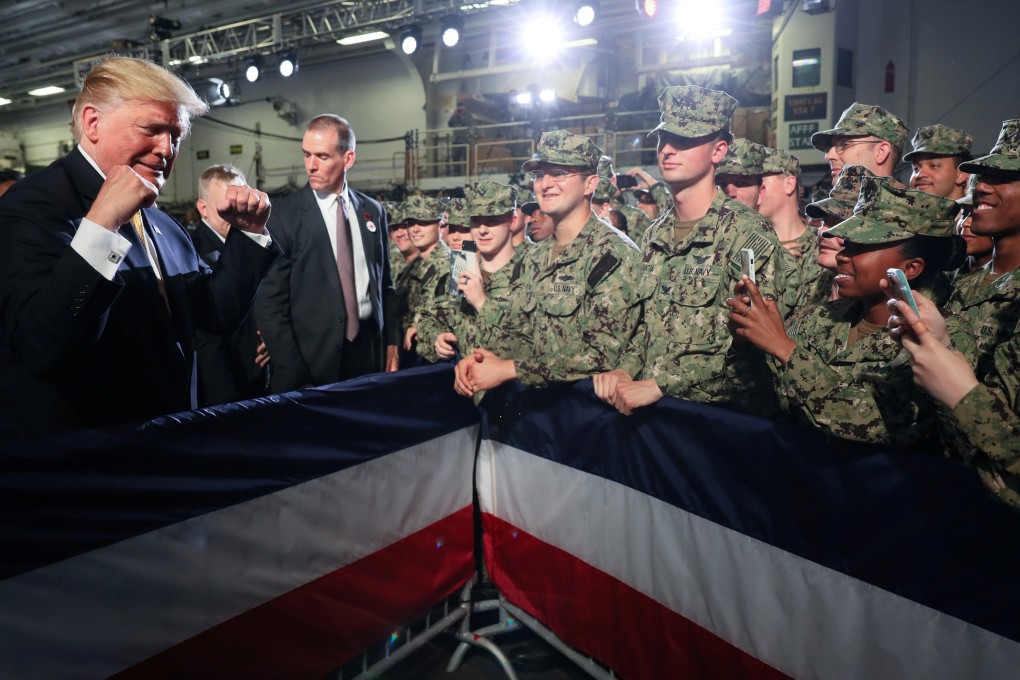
{"x": 152, "y": 287}
{"x": 367, "y": 237}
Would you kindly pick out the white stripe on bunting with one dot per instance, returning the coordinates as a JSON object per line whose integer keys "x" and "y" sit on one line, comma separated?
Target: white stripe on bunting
{"x": 799, "y": 617}
{"x": 121, "y": 604}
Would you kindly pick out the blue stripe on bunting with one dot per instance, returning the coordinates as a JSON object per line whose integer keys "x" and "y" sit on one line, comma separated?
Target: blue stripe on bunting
{"x": 913, "y": 523}
{"x": 64, "y": 496}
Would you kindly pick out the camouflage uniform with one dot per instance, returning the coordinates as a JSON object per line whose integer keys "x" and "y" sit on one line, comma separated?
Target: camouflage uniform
{"x": 397, "y": 262}
{"x": 803, "y": 273}
{"x": 568, "y": 318}
{"x": 939, "y": 140}
{"x": 984, "y": 428}
{"x": 574, "y": 314}
{"x": 683, "y": 340}
{"x": 422, "y": 270}
{"x": 862, "y": 120}
{"x": 442, "y": 312}
{"x": 866, "y": 392}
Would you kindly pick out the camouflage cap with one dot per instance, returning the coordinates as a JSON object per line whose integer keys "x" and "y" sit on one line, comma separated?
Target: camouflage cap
{"x": 604, "y": 191}
{"x": 1005, "y": 155}
{"x": 485, "y": 198}
{"x": 939, "y": 140}
{"x": 605, "y": 167}
{"x": 560, "y": 147}
{"x": 526, "y": 201}
{"x": 457, "y": 211}
{"x": 888, "y": 212}
{"x": 744, "y": 157}
{"x": 690, "y": 111}
{"x": 844, "y": 194}
{"x": 395, "y": 215}
{"x": 861, "y": 120}
{"x": 423, "y": 208}
{"x": 780, "y": 162}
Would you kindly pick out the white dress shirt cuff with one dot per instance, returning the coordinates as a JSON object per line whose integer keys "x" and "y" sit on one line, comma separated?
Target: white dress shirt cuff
{"x": 263, "y": 240}
{"x": 101, "y": 248}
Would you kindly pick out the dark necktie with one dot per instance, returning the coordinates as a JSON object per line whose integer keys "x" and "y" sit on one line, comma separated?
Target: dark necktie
{"x": 345, "y": 266}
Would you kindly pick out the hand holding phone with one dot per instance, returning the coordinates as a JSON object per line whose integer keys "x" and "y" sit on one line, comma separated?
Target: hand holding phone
{"x": 901, "y": 287}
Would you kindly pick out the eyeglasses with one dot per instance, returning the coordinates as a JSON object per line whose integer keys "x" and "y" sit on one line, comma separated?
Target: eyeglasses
{"x": 556, "y": 174}
{"x": 840, "y": 145}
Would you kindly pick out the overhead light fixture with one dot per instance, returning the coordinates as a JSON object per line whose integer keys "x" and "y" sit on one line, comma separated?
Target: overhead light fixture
{"x": 523, "y": 98}
{"x": 364, "y": 37}
{"x": 700, "y": 19}
{"x": 253, "y": 68}
{"x": 46, "y": 91}
{"x": 160, "y": 28}
{"x": 544, "y": 29}
{"x": 410, "y": 39}
{"x": 214, "y": 91}
{"x": 586, "y": 12}
{"x": 287, "y": 62}
{"x": 451, "y": 29}
{"x": 648, "y": 8}
{"x": 547, "y": 96}
{"x": 4, "y": 101}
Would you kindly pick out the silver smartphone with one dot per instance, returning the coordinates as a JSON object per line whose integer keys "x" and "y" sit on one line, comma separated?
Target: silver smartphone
{"x": 901, "y": 287}
{"x": 747, "y": 262}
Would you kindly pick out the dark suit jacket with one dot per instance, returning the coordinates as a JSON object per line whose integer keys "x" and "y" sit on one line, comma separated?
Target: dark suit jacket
{"x": 77, "y": 350}
{"x": 226, "y": 361}
{"x": 300, "y": 309}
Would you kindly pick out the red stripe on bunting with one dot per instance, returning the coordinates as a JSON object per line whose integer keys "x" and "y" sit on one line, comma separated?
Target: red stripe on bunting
{"x": 325, "y": 623}
{"x": 605, "y": 618}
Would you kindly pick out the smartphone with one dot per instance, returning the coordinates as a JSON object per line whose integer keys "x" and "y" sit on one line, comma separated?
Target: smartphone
{"x": 461, "y": 260}
{"x": 747, "y": 262}
{"x": 625, "y": 181}
{"x": 901, "y": 288}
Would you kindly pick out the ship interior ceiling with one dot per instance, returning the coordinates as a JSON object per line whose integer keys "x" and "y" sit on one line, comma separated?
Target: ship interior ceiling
{"x": 43, "y": 43}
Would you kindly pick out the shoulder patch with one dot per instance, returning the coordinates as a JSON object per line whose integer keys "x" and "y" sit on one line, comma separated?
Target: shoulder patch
{"x": 603, "y": 268}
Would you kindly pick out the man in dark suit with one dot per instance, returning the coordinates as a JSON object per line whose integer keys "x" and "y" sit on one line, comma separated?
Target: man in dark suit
{"x": 230, "y": 365}
{"x": 100, "y": 291}
{"x": 326, "y": 309}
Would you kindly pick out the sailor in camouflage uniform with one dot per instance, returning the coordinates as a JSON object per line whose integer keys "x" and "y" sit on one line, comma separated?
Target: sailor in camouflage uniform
{"x": 983, "y": 424}
{"x": 424, "y": 216}
{"x": 574, "y": 302}
{"x": 448, "y": 322}
{"x": 778, "y": 203}
{"x": 402, "y": 250}
{"x": 740, "y": 172}
{"x": 837, "y": 368}
{"x": 838, "y": 206}
{"x": 935, "y": 160}
{"x": 690, "y": 263}
{"x": 864, "y": 135}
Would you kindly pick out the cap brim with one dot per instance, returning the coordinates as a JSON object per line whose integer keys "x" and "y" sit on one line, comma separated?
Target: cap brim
{"x": 823, "y": 208}
{"x": 995, "y": 161}
{"x": 861, "y": 229}
{"x": 529, "y": 207}
{"x": 693, "y": 130}
{"x": 909, "y": 157}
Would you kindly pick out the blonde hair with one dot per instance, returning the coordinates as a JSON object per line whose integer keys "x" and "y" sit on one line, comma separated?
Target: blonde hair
{"x": 116, "y": 80}
{"x": 228, "y": 174}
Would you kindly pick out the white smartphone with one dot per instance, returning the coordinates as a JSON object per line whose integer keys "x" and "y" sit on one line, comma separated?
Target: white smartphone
{"x": 901, "y": 287}
{"x": 460, "y": 261}
{"x": 747, "y": 262}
